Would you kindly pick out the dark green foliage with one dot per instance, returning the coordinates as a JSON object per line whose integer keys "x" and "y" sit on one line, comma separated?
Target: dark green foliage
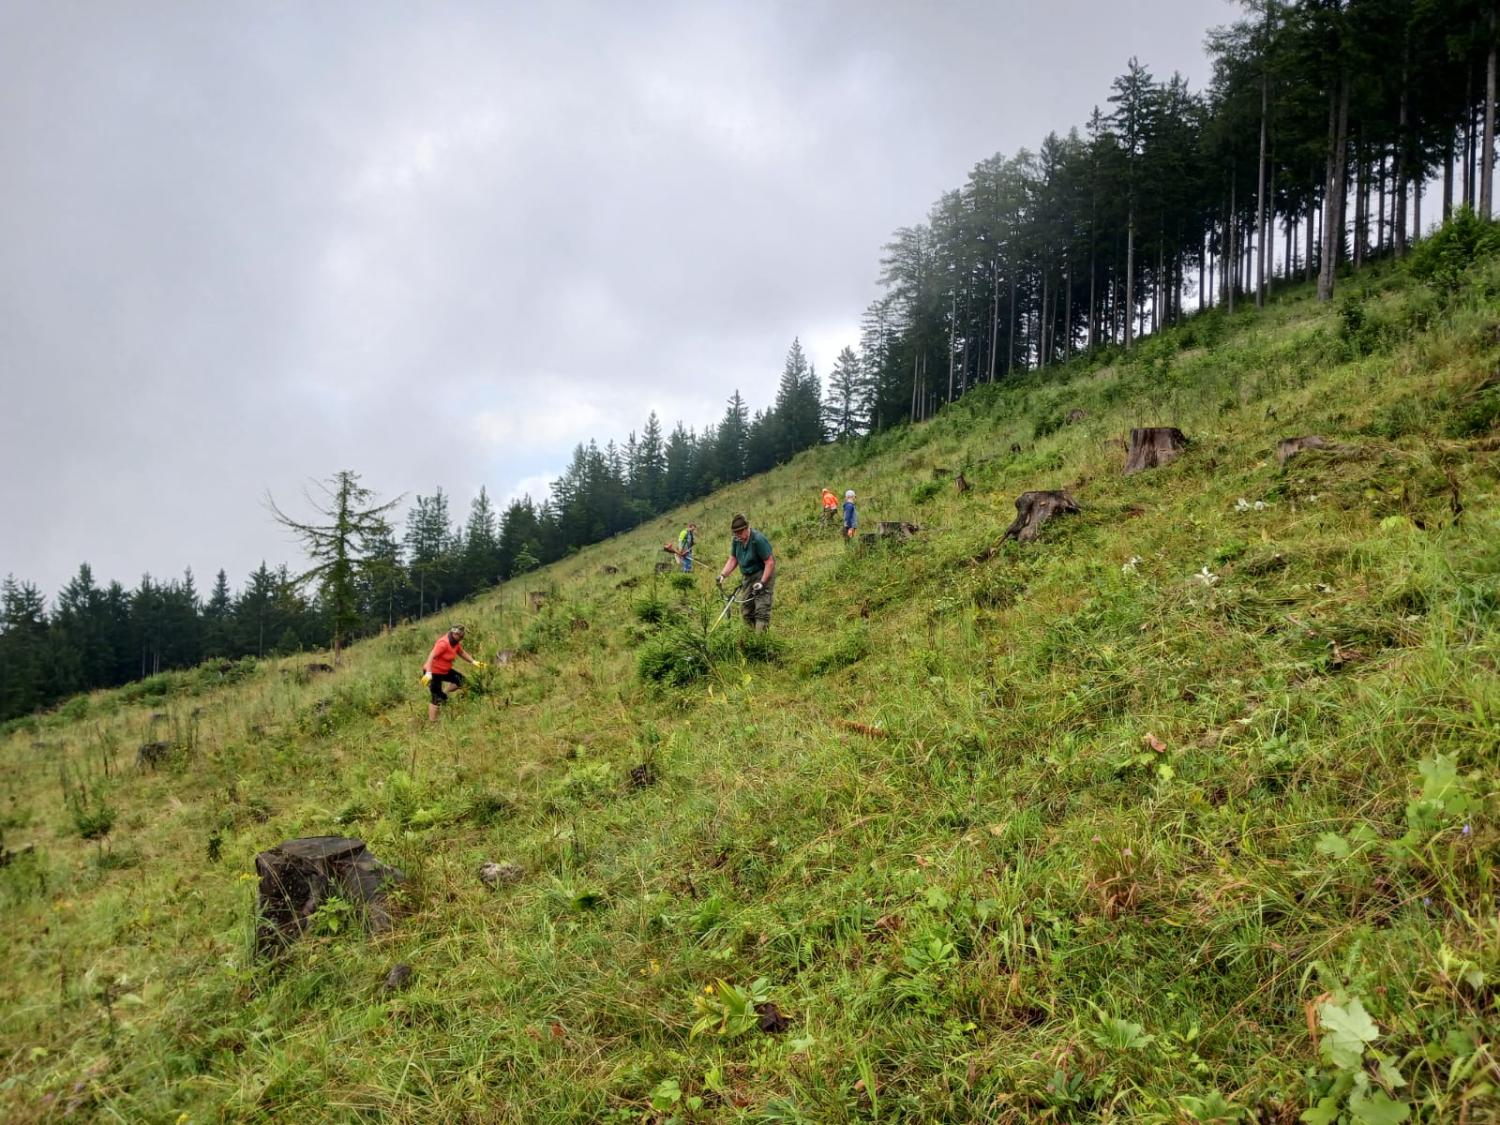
{"x": 682, "y": 653}
{"x": 926, "y": 490}
{"x": 676, "y": 656}
{"x": 650, "y": 609}
{"x": 1443, "y": 257}
{"x": 1477, "y": 414}
{"x": 850, "y": 647}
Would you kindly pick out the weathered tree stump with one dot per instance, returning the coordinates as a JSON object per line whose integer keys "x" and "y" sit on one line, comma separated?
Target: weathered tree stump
{"x": 505, "y": 656}
{"x": 298, "y": 876}
{"x": 961, "y": 483}
{"x": 536, "y": 599}
{"x": 1033, "y": 509}
{"x": 1152, "y": 447}
{"x": 152, "y": 754}
{"x": 897, "y": 528}
{"x": 1287, "y": 448}
{"x": 1076, "y": 416}
{"x": 665, "y": 567}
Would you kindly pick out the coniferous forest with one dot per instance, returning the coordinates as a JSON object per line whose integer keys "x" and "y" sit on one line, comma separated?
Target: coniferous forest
{"x": 1332, "y": 132}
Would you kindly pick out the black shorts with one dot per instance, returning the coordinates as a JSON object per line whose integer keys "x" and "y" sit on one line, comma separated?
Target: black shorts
{"x": 439, "y": 696}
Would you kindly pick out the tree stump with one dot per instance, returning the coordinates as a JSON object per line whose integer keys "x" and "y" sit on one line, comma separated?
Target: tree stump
{"x": 536, "y": 599}
{"x": 1287, "y": 448}
{"x": 961, "y": 483}
{"x": 665, "y": 567}
{"x": 298, "y": 876}
{"x": 1033, "y": 509}
{"x": 1152, "y": 447}
{"x": 897, "y": 528}
{"x": 1076, "y": 416}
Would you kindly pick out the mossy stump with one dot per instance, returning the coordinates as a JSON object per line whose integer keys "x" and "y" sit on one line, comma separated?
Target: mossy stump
{"x": 1151, "y": 447}
{"x": 1033, "y": 509}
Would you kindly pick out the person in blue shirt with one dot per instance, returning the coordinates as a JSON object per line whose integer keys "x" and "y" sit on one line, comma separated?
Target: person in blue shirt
{"x": 851, "y": 517}
{"x": 751, "y": 552}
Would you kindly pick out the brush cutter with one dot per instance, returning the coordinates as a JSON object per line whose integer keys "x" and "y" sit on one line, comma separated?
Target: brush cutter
{"x": 731, "y": 599}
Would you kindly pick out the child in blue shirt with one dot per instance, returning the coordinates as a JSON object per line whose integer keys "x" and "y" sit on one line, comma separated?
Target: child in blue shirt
{"x": 851, "y": 517}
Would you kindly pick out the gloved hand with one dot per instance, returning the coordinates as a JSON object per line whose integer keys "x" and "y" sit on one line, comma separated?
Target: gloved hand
{"x": 757, "y": 588}
{"x": 426, "y": 677}
{"x": 719, "y": 581}
{"x": 481, "y": 665}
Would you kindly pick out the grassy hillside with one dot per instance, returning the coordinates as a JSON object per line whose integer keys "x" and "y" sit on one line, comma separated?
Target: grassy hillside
{"x": 1186, "y": 811}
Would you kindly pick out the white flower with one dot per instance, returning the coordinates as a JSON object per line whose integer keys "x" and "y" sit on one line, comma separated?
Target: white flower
{"x": 1242, "y": 505}
{"x": 1260, "y": 505}
{"x": 1207, "y": 577}
{"x": 1130, "y": 564}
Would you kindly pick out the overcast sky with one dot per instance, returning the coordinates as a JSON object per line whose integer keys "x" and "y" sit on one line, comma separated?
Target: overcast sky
{"x": 247, "y": 244}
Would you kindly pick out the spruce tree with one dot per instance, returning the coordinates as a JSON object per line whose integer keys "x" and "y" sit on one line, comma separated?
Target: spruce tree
{"x": 339, "y": 546}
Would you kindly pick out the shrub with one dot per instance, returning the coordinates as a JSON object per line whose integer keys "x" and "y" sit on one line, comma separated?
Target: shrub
{"x": 850, "y": 647}
{"x": 1452, "y": 248}
{"x": 676, "y": 656}
{"x": 650, "y": 610}
{"x": 926, "y": 491}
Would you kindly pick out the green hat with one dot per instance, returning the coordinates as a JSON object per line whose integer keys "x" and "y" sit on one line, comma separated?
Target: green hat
{"x": 739, "y": 523}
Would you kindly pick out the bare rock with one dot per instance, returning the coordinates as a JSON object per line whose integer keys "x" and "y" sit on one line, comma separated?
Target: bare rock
{"x": 1287, "y": 448}
{"x": 897, "y": 528}
{"x": 1033, "y": 509}
{"x": 501, "y": 874}
{"x": 1151, "y": 447}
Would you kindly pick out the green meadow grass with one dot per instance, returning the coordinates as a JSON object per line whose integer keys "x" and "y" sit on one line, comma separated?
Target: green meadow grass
{"x": 1184, "y": 812}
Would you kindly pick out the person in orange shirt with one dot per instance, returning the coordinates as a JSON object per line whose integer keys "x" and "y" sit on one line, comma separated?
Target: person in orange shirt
{"x": 830, "y": 505}
{"x": 439, "y": 668}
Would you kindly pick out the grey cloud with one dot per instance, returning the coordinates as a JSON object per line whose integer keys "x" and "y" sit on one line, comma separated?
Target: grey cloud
{"x": 244, "y": 245}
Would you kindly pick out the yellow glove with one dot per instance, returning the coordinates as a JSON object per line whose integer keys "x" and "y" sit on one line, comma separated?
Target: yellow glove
{"x": 427, "y": 677}
{"x": 480, "y": 664}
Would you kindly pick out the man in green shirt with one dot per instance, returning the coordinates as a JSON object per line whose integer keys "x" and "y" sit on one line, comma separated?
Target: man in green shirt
{"x": 751, "y": 552}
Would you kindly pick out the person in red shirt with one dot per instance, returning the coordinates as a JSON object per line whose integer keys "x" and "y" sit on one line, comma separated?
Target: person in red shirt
{"x": 439, "y": 668}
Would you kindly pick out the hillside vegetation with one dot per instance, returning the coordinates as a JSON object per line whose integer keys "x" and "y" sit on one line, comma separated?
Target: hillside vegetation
{"x": 1185, "y": 811}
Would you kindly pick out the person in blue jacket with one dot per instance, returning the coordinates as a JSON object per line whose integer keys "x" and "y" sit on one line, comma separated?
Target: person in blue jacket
{"x": 851, "y": 517}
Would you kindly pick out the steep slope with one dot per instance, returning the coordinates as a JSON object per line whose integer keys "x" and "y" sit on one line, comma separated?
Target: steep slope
{"x": 1120, "y": 824}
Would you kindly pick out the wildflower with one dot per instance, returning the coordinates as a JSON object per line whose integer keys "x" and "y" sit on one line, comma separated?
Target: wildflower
{"x": 1242, "y": 505}
{"x": 1096, "y": 839}
{"x": 1126, "y": 852}
{"x": 1468, "y": 830}
{"x": 1207, "y": 577}
{"x": 1426, "y": 901}
{"x": 1260, "y": 505}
